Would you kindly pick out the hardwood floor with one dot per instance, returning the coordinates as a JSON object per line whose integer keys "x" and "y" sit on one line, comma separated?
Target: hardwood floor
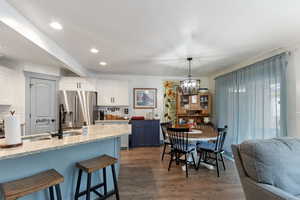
{"x": 144, "y": 176}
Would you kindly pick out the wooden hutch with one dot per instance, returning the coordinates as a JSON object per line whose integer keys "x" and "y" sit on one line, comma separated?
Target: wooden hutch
{"x": 194, "y": 107}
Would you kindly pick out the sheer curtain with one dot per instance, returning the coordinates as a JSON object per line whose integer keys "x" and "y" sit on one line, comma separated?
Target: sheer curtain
{"x": 252, "y": 101}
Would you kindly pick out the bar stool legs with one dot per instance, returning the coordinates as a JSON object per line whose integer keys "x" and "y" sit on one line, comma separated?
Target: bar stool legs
{"x": 78, "y": 184}
{"x": 51, "y": 193}
{"x": 58, "y": 192}
{"x": 104, "y": 181}
{"x": 90, "y": 188}
{"x": 115, "y": 181}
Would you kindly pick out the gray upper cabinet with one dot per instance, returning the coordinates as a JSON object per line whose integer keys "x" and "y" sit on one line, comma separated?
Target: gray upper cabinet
{"x": 112, "y": 93}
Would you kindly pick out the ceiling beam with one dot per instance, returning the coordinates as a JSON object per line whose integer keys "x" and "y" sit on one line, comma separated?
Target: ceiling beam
{"x": 12, "y": 18}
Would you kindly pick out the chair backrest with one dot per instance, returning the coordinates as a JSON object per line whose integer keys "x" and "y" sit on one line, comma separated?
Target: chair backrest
{"x": 164, "y": 127}
{"x": 222, "y": 132}
{"x": 178, "y": 138}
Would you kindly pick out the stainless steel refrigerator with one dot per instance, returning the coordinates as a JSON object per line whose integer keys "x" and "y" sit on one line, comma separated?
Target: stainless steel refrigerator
{"x": 78, "y": 108}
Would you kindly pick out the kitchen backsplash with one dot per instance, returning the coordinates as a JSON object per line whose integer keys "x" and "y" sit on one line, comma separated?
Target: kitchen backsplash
{"x": 112, "y": 112}
{"x": 4, "y": 110}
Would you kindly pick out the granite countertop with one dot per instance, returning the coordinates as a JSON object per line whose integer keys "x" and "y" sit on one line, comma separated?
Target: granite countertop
{"x": 110, "y": 121}
{"x": 96, "y": 133}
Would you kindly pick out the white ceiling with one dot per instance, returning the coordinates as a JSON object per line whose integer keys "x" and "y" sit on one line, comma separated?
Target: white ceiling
{"x": 153, "y": 37}
{"x": 16, "y": 48}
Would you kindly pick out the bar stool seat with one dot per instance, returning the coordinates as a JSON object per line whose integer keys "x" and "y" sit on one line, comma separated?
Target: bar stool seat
{"x": 22, "y": 187}
{"x": 90, "y": 166}
{"x": 97, "y": 163}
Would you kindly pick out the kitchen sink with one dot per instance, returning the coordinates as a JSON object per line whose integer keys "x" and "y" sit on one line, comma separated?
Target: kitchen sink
{"x": 36, "y": 138}
{"x": 71, "y": 133}
{"x": 68, "y": 133}
{"x": 48, "y": 136}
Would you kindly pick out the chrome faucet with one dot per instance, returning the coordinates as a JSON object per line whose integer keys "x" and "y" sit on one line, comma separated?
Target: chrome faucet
{"x": 60, "y": 119}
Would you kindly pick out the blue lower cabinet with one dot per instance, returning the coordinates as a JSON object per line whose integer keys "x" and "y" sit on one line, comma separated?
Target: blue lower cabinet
{"x": 145, "y": 133}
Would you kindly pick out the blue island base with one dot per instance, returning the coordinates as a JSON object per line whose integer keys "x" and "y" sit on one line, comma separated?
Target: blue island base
{"x": 63, "y": 160}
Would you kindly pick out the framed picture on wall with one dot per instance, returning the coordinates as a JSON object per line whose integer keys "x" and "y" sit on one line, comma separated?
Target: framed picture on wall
{"x": 144, "y": 98}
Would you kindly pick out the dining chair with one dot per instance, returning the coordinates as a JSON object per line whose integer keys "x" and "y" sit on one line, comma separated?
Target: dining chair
{"x": 179, "y": 139}
{"x": 206, "y": 150}
{"x": 164, "y": 127}
{"x": 205, "y": 127}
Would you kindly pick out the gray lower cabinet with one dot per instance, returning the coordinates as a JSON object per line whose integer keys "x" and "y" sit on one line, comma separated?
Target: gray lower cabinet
{"x": 145, "y": 133}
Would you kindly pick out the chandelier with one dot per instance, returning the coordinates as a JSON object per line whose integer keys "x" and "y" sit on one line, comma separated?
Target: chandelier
{"x": 190, "y": 86}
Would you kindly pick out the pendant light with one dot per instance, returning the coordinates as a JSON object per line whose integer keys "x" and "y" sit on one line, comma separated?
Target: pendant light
{"x": 190, "y": 86}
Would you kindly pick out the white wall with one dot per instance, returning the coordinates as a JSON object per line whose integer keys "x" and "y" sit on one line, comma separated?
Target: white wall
{"x": 49, "y": 70}
{"x": 293, "y": 84}
{"x": 12, "y": 84}
{"x": 12, "y": 91}
{"x": 139, "y": 81}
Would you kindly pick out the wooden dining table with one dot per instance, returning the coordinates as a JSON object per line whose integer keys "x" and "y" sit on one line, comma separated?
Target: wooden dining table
{"x": 202, "y": 135}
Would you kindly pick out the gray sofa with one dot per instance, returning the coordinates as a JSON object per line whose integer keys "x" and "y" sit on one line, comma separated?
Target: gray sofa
{"x": 269, "y": 169}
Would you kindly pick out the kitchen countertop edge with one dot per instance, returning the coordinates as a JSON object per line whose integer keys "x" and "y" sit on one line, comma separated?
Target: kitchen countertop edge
{"x": 79, "y": 140}
{"x": 109, "y": 121}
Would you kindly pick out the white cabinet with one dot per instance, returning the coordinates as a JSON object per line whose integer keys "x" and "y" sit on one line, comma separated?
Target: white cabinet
{"x": 112, "y": 93}
{"x": 88, "y": 84}
{"x": 6, "y": 89}
{"x": 105, "y": 92}
{"x": 122, "y": 95}
{"x": 76, "y": 83}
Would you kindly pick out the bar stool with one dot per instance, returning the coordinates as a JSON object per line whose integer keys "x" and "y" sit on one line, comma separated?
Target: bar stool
{"x": 90, "y": 166}
{"x": 22, "y": 187}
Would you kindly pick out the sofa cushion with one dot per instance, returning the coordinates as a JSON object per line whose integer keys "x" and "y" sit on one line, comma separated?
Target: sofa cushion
{"x": 273, "y": 161}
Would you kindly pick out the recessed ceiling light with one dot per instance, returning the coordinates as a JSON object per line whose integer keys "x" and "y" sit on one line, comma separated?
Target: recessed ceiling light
{"x": 56, "y": 25}
{"x": 93, "y": 50}
{"x": 103, "y": 63}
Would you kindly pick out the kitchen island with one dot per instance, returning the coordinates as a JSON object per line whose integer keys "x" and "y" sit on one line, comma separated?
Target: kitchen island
{"x": 62, "y": 154}
{"x": 124, "y": 138}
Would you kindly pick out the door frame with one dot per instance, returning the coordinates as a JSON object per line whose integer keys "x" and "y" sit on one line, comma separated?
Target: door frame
{"x": 28, "y": 77}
